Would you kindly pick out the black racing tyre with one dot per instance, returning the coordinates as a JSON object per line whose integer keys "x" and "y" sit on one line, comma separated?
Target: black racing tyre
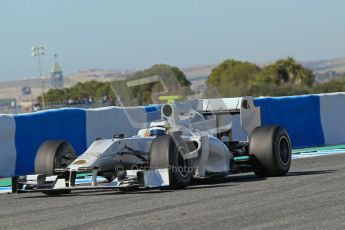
{"x": 271, "y": 148}
{"x": 166, "y": 152}
{"x": 53, "y": 154}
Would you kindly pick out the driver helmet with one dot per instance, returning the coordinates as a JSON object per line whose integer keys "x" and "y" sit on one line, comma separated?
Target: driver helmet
{"x": 158, "y": 128}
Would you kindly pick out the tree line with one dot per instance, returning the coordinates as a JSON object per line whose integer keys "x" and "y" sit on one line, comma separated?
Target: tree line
{"x": 231, "y": 78}
{"x": 282, "y": 78}
{"x": 89, "y": 92}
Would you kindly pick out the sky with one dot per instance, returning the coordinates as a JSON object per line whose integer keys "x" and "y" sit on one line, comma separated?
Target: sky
{"x": 135, "y": 34}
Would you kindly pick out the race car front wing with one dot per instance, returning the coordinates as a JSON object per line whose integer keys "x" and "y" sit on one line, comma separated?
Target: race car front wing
{"x": 126, "y": 180}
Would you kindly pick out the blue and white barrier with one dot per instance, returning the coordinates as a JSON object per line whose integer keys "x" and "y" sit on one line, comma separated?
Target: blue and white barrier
{"x": 311, "y": 120}
{"x": 7, "y": 145}
{"x": 332, "y": 114}
{"x": 21, "y": 135}
{"x": 300, "y": 115}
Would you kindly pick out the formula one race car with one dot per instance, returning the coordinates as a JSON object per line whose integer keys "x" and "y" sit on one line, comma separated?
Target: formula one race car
{"x": 193, "y": 139}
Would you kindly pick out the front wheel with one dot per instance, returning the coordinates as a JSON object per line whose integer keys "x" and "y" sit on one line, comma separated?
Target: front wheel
{"x": 270, "y": 147}
{"x": 166, "y": 152}
{"x": 51, "y": 155}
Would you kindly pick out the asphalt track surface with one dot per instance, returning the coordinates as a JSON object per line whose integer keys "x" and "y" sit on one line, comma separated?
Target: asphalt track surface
{"x": 312, "y": 196}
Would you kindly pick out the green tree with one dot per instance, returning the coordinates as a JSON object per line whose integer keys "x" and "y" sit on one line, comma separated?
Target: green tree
{"x": 268, "y": 89}
{"x": 94, "y": 89}
{"x": 334, "y": 85}
{"x": 237, "y": 78}
{"x": 170, "y": 79}
{"x": 282, "y": 78}
{"x": 232, "y": 78}
{"x": 286, "y": 71}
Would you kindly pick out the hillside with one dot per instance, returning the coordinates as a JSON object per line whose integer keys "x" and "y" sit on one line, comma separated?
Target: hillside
{"x": 323, "y": 69}
{"x": 326, "y": 69}
{"x": 12, "y": 89}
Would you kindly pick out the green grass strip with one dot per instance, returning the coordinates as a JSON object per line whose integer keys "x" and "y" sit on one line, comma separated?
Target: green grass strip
{"x": 5, "y": 182}
{"x": 297, "y": 151}
{"x": 241, "y": 158}
{"x": 82, "y": 175}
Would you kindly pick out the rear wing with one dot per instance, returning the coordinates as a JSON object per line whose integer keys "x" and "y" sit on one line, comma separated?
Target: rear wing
{"x": 220, "y": 105}
{"x": 249, "y": 114}
{"x": 239, "y": 110}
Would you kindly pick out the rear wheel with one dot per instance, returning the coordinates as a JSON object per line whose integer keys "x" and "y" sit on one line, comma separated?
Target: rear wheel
{"x": 52, "y": 155}
{"x": 271, "y": 148}
{"x": 167, "y": 152}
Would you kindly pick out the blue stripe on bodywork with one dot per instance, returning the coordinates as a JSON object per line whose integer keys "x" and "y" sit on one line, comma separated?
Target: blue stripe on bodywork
{"x": 33, "y": 129}
{"x": 300, "y": 115}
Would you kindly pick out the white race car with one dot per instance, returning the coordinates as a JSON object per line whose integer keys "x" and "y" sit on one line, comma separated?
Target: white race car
{"x": 192, "y": 140}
